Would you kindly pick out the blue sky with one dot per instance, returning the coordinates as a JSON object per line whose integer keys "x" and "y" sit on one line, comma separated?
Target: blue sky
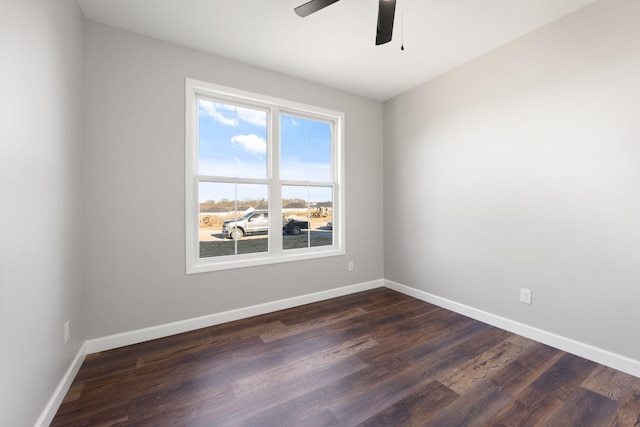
{"x": 233, "y": 142}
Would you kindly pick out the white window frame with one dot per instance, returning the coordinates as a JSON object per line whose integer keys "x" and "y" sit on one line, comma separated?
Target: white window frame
{"x": 274, "y": 106}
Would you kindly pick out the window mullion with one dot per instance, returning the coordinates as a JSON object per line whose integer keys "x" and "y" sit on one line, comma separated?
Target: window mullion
{"x": 306, "y": 183}
{"x": 275, "y": 199}
{"x": 207, "y": 178}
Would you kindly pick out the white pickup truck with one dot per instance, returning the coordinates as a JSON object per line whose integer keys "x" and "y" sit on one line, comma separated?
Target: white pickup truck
{"x": 254, "y": 221}
{"x": 251, "y": 222}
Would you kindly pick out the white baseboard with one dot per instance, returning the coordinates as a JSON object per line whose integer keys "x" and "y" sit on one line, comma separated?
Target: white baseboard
{"x": 60, "y": 392}
{"x": 160, "y": 331}
{"x": 598, "y": 355}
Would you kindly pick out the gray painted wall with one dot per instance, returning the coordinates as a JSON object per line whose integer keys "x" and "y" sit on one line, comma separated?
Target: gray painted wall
{"x": 522, "y": 169}
{"x": 135, "y": 187}
{"x": 41, "y": 201}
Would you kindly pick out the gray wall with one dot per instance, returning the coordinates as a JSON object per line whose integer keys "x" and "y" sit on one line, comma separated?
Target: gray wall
{"x": 41, "y": 205}
{"x": 521, "y": 169}
{"x": 135, "y": 187}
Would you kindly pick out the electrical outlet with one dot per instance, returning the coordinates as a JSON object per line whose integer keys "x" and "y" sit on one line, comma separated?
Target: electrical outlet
{"x": 525, "y": 295}
{"x": 350, "y": 266}
{"x": 66, "y": 331}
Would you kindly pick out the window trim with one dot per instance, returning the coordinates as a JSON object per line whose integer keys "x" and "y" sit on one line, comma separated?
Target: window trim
{"x": 275, "y": 107}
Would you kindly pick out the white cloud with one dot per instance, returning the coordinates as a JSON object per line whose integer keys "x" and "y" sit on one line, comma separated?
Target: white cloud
{"x": 291, "y": 121}
{"x": 211, "y": 110}
{"x": 255, "y": 117}
{"x": 254, "y": 144}
{"x": 229, "y": 115}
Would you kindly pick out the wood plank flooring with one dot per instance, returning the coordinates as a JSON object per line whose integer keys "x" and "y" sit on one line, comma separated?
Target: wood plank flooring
{"x": 376, "y": 358}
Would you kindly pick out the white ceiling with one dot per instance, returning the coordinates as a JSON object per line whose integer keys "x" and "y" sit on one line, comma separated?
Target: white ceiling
{"x": 336, "y": 46}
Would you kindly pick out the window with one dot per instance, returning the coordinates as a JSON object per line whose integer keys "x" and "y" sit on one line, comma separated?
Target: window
{"x": 264, "y": 179}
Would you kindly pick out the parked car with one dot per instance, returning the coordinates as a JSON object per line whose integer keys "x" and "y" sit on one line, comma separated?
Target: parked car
{"x": 294, "y": 226}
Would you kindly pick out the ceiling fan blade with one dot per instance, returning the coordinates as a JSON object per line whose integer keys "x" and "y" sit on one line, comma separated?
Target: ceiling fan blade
{"x": 312, "y": 6}
{"x": 386, "y": 13}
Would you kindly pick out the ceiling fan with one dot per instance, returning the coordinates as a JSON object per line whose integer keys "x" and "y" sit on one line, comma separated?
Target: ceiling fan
{"x": 386, "y": 13}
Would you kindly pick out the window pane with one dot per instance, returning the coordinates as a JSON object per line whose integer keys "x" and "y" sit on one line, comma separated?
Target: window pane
{"x": 305, "y": 149}
{"x": 232, "y": 140}
{"x": 234, "y": 219}
{"x": 308, "y": 215}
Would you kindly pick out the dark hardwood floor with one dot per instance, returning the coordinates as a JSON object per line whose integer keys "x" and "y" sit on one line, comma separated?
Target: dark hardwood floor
{"x": 377, "y": 358}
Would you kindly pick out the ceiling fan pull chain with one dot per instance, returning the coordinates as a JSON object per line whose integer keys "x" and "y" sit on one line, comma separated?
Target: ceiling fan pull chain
{"x": 402, "y": 28}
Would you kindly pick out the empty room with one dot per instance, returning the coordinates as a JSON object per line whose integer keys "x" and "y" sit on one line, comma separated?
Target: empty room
{"x": 320, "y": 213}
